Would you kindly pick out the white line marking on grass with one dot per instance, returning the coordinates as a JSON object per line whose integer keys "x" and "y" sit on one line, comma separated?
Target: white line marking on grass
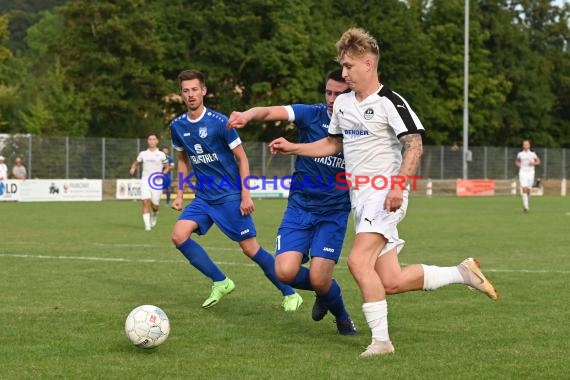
{"x": 135, "y": 260}
{"x": 128, "y": 245}
{"x": 109, "y": 259}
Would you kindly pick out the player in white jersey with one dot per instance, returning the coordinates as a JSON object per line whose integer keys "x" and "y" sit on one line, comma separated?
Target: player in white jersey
{"x": 3, "y": 170}
{"x": 373, "y": 125}
{"x": 526, "y": 161}
{"x": 155, "y": 168}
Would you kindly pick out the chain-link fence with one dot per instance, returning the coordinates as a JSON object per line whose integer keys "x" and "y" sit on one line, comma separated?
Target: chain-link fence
{"x": 111, "y": 158}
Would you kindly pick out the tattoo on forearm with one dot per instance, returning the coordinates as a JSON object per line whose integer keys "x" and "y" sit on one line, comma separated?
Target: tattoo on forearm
{"x": 412, "y": 153}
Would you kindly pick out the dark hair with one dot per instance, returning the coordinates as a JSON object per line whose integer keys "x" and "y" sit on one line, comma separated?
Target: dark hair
{"x": 192, "y": 74}
{"x": 336, "y": 75}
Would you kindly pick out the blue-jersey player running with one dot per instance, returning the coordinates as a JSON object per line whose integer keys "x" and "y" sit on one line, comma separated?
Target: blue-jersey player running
{"x": 219, "y": 161}
{"x": 314, "y": 224}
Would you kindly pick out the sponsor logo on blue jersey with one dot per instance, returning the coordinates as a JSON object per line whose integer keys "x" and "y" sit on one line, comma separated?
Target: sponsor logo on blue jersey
{"x": 204, "y": 158}
{"x": 332, "y": 161}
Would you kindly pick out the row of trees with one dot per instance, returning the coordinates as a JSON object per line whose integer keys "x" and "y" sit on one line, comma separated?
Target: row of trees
{"x": 108, "y": 68}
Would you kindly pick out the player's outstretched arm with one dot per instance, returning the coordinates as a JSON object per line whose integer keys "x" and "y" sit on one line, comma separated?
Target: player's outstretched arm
{"x": 536, "y": 161}
{"x": 412, "y": 150}
{"x": 134, "y": 168}
{"x": 273, "y": 113}
{"x": 327, "y": 146}
{"x": 246, "y": 205}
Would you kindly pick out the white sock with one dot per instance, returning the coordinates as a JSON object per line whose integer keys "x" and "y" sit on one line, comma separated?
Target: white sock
{"x": 436, "y": 277}
{"x": 525, "y": 200}
{"x": 376, "y": 314}
{"x": 146, "y": 220}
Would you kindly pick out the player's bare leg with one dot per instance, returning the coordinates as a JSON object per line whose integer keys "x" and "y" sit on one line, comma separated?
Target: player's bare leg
{"x": 397, "y": 279}
{"x": 361, "y": 263}
{"x": 153, "y": 214}
{"x": 429, "y": 277}
{"x": 146, "y": 214}
{"x": 525, "y": 198}
{"x": 287, "y": 266}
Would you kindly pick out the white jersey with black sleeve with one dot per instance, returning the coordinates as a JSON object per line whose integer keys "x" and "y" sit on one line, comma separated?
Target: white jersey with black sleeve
{"x": 370, "y": 133}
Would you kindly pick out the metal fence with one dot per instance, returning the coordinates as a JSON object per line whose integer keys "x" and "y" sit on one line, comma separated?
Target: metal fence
{"x": 111, "y": 158}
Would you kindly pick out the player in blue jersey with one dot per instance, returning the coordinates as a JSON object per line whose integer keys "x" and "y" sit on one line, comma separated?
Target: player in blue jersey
{"x": 314, "y": 224}
{"x": 219, "y": 162}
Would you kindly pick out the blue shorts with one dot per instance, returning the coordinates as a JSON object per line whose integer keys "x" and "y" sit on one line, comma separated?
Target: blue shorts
{"x": 226, "y": 216}
{"x": 314, "y": 235}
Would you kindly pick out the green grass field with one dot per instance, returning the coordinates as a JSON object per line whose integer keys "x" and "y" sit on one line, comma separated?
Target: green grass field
{"x": 71, "y": 272}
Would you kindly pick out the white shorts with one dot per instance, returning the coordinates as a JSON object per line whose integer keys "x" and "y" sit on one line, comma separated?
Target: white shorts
{"x": 526, "y": 179}
{"x": 371, "y": 217}
{"x": 148, "y": 192}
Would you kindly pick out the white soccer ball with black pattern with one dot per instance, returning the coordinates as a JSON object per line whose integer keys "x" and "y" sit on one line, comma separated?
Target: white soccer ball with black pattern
{"x": 147, "y": 326}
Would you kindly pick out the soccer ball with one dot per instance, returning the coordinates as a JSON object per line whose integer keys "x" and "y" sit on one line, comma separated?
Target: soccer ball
{"x": 147, "y": 326}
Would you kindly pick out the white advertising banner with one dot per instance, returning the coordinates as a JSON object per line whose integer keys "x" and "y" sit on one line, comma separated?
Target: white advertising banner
{"x": 42, "y": 190}
{"x": 10, "y": 190}
{"x": 128, "y": 189}
{"x": 269, "y": 187}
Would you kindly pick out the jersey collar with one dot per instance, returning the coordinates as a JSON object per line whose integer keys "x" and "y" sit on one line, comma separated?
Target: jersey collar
{"x": 195, "y": 120}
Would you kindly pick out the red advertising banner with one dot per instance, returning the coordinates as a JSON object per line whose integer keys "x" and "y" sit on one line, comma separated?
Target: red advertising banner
{"x": 475, "y": 187}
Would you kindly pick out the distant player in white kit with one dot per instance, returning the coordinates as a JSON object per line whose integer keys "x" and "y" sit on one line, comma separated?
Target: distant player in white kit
{"x": 526, "y": 161}
{"x": 154, "y": 162}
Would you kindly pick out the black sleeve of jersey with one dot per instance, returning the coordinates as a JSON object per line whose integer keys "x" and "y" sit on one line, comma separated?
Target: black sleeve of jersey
{"x": 402, "y": 110}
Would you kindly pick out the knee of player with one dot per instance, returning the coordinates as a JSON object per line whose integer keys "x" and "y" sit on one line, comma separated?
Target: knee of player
{"x": 286, "y": 274}
{"x": 391, "y": 286}
{"x": 249, "y": 247}
{"x": 321, "y": 284}
{"x": 355, "y": 266}
{"x": 178, "y": 237}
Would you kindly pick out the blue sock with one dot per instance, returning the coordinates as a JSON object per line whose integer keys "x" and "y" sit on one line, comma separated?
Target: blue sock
{"x": 200, "y": 260}
{"x": 334, "y": 302}
{"x": 267, "y": 263}
{"x": 303, "y": 279}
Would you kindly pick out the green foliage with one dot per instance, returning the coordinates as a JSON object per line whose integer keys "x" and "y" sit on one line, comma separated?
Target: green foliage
{"x": 119, "y": 61}
{"x": 110, "y": 52}
{"x": 59, "y": 110}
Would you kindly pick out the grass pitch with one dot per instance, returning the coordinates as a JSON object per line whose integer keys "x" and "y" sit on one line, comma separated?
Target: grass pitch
{"x": 71, "y": 272}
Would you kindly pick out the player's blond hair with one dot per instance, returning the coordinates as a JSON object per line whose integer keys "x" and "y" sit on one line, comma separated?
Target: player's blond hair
{"x": 357, "y": 42}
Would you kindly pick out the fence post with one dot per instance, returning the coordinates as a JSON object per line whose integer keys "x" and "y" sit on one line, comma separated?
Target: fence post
{"x": 563, "y": 163}
{"x": 67, "y": 157}
{"x": 429, "y": 189}
{"x": 514, "y": 188}
{"x": 485, "y": 162}
{"x": 102, "y": 158}
{"x": 30, "y": 155}
{"x": 263, "y": 159}
{"x": 563, "y": 187}
{"x": 441, "y": 158}
{"x": 506, "y": 163}
{"x": 544, "y": 170}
